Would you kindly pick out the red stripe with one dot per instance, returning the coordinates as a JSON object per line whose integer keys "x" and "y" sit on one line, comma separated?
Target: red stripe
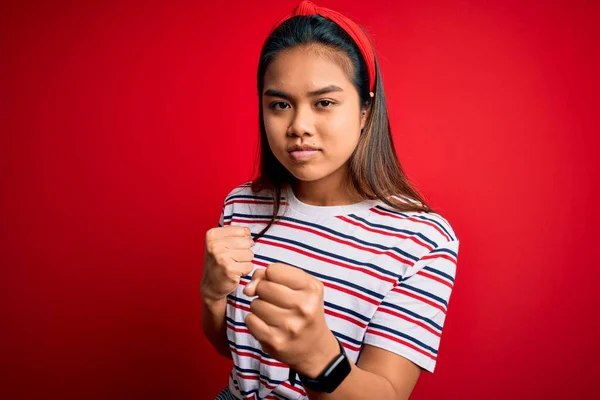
{"x": 295, "y": 389}
{"x": 330, "y": 261}
{"x": 424, "y": 300}
{"x": 347, "y": 243}
{"x": 240, "y": 330}
{"x": 266, "y": 384}
{"x": 435, "y": 278}
{"x": 439, "y": 255}
{"x": 350, "y": 292}
{"x": 249, "y": 377}
{"x": 382, "y": 232}
{"x": 345, "y": 317}
{"x": 260, "y": 263}
{"x": 236, "y": 305}
{"x": 414, "y": 321}
{"x": 420, "y": 221}
{"x": 350, "y": 347}
{"x": 257, "y": 357}
{"x": 403, "y": 342}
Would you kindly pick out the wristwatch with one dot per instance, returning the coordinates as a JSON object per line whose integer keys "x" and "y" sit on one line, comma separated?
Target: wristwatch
{"x": 331, "y": 377}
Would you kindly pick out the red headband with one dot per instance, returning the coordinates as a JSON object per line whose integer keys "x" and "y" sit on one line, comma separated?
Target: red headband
{"x": 307, "y": 8}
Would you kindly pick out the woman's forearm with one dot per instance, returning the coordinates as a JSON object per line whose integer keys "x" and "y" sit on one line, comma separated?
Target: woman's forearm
{"x": 214, "y": 325}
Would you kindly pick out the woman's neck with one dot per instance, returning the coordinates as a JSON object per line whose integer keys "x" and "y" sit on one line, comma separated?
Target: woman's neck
{"x": 325, "y": 192}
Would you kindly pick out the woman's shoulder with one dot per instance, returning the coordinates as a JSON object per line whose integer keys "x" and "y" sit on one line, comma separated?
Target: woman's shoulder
{"x": 249, "y": 197}
{"x": 242, "y": 189}
{"x": 427, "y": 224}
{"x": 249, "y": 188}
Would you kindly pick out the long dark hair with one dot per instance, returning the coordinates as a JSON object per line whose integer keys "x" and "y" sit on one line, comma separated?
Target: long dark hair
{"x": 374, "y": 170}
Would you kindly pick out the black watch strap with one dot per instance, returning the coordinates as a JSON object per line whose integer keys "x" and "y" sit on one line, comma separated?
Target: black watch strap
{"x": 331, "y": 377}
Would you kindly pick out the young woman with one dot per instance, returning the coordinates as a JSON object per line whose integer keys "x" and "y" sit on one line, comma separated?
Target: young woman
{"x": 329, "y": 276}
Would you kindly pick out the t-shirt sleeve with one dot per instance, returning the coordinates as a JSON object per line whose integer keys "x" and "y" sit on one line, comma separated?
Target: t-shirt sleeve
{"x": 410, "y": 318}
{"x": 226, "y": 211}
{"x": 222, "y": 218}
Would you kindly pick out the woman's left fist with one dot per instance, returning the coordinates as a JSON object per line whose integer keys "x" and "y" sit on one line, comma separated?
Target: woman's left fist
{"x": 288, "y": 318}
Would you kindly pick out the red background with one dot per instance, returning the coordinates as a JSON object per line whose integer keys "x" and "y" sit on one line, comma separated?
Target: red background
{"x": 124, "y": 125}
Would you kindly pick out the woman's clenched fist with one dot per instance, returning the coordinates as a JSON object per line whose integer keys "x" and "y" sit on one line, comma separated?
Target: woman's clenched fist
{"x": 227, "y": 258}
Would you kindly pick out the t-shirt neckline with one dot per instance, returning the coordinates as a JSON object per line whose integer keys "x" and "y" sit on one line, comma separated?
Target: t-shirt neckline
{"x": 325, "y": 211}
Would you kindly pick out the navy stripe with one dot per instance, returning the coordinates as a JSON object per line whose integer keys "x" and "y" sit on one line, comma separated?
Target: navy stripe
{"x": 246, "y": 394}
{"x": 347, "y": 338}
{"x": 424, "y": 293}
{"x": 389, "y": 228}
{"x": 324, "y": 277}
{"x": 335, "y": 256}
{"x": 239, "y": 300}
{"x": 412, "y": 314}
{"x": 252, "y": 216}
{"x": 242, "y": 196}
{"x": 243, "y": 324}
{"x": 331, "y": 232}
{"x": 256, "y": 372}
{"x": 440, "y": 273}
{"x": 419, "y": 217}
{"x": 251, "y": 349}
{"x": 405, "y": 336}
{"x": 347, "y": 310}
{"x": 444, "y": 250}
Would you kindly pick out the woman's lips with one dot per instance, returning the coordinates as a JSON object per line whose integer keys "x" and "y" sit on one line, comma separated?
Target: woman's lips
{"x": 303, "y": 155}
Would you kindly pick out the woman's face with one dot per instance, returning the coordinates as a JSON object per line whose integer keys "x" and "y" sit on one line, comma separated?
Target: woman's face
{"x": 311, "y": 111}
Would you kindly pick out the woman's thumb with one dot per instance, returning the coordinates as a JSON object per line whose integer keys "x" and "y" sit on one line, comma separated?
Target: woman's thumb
{"x": 250, "y": 289}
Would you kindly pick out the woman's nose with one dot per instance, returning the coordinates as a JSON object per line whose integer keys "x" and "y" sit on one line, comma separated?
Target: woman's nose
{"x": 302, "y": 123}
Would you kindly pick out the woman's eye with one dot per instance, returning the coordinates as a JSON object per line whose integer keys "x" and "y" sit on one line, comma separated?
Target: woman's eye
{"x": 280, "y": 105}
{"x": 325, "y": 103}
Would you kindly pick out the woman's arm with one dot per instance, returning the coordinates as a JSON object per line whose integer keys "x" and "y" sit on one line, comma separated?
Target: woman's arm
{"x": 227, "y": 258}
{"x": 379, "y": 374}
{"x": 214, "y": 326}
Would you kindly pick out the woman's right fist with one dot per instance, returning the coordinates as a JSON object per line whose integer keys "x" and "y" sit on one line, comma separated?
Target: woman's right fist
{"x": 227, "y": 257}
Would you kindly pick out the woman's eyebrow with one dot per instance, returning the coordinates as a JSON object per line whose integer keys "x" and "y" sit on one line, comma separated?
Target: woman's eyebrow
{"x": 325, "y": 90}
{"x": 318, "y": 92}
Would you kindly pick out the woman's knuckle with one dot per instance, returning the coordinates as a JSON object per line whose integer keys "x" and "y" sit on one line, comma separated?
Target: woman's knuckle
{"x": 317, "y": 286}
{"x": 277, "y": 343}
{"x": 221, "y": 260}
{"x": 294, "y": 327}
{"x": 210, "y": 247}
{"x": 305, "y": 309}
{"x": 210, "y": 234}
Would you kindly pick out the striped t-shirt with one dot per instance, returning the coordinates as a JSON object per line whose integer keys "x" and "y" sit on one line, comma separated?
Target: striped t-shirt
{"x": 387, "y": 276}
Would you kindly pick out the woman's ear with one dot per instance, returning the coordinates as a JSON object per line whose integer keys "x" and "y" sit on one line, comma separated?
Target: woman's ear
{"x": 364, "y": 114}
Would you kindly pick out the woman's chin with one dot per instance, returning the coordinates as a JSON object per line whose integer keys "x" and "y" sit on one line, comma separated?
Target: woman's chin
{"x": 309, "y": 176}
